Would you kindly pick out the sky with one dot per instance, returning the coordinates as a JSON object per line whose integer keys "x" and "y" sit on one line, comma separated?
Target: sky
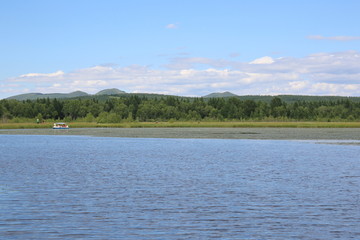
{"x": 187, "y": 47}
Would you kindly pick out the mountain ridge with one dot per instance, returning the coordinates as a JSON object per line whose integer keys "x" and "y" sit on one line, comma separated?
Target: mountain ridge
{"x": 114, "y": 92}
{"x": 34, "y": 96}
{"x": 110, "y": 91}
{"x": 220, "y": 94}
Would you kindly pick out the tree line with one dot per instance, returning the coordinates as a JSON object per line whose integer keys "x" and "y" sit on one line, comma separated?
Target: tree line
{"x": 169, "y": 108}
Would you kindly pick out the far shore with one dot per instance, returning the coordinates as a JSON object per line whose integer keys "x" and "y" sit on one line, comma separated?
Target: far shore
{"x": 202, "y": 133}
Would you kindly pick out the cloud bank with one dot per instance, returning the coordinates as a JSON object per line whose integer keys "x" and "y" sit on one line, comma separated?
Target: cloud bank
{"x": 334, "y": 38}
{"x": 316, "y": 74}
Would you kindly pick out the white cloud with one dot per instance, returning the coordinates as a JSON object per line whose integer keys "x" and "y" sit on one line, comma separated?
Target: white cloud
{"x": 334, "y": 38}
{"x": 263, "y": 60}
{"x": 9, "y": 88}
{"x": 321, "y": 74}
{"x": 172, "y": 26}
{"x": 298, "y": 85}
{"x": 55, "y": 74}
{"x": 192, "y": 62}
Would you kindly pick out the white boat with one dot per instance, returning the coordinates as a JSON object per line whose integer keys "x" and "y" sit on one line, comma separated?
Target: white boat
{"x": 60, "y": 125}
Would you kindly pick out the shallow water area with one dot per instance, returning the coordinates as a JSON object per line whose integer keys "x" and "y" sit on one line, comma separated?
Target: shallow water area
{"x": 201, "y": 133}
{"x": 80, "y": 187}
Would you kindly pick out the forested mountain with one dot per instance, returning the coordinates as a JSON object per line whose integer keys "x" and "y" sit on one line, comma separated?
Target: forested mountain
{"x": 76, "y": 94}
{"x": 34, "y": 96}
{"x": 220, "y": 94}
{"x": 112, "y": 91}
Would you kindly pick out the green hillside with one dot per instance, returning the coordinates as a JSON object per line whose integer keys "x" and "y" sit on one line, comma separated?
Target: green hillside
{"x": 111, "y": 91}
{"x": 220, "y": 95}
{"x": 76, "y": 94}
{"x": 34, "y": 96}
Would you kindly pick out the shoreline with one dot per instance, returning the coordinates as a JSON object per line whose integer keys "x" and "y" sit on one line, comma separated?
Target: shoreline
{"x": 202, "y": 133}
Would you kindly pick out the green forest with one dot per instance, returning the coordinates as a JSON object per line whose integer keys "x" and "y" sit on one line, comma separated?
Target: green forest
{"x": 172, "y": 108}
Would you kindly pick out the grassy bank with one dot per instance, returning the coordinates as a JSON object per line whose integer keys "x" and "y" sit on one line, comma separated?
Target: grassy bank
{"x": 188, "y": 125}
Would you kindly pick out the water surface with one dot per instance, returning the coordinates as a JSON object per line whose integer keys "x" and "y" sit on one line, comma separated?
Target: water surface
{"x": 72, "y": 187}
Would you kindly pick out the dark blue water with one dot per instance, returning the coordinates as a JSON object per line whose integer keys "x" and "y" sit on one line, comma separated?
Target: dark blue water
{"x": 69, "y": 187}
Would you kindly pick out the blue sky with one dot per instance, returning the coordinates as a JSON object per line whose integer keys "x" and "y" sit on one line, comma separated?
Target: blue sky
{"x": 188, "y": 48}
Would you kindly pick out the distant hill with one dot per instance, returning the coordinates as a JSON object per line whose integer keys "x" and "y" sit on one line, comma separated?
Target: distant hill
{"x": 220, "y": 95}
{"x": 297, "y": 98}
{"x": 111, "y": 91}
{"x": 76, "y": 94}
{"x": 116, "y": 93}
{"x": 34, "y": 96}
{"x": 285, "y": 98}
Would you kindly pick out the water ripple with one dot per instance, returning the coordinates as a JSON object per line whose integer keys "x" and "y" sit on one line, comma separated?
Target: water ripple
{"x": 111, "y": 188}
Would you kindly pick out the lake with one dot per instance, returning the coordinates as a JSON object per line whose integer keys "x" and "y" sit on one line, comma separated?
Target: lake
{"x": 79, "y": 187}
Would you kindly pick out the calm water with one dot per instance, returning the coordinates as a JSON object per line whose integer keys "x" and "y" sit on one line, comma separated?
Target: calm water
{"x": 69, "y": 187}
